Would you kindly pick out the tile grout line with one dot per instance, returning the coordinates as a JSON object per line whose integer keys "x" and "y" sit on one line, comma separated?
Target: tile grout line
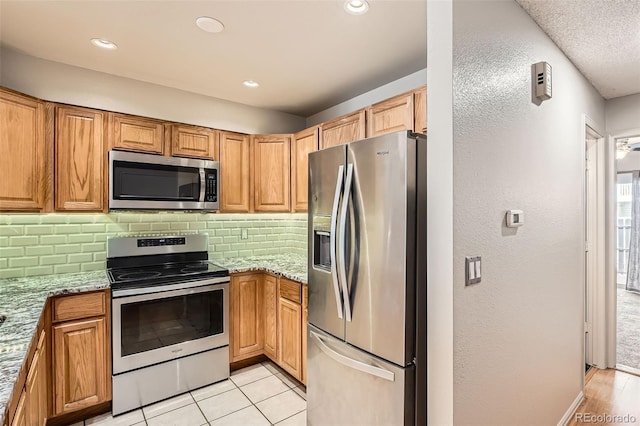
{"x": 294, "y": 414}
{"x": 252, "y": 403}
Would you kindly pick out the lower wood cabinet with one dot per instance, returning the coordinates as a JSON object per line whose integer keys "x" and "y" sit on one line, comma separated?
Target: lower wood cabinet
{"x": 79, "y": 364}
{"x": 305, "y": 321}
{"x": 246, "y": 307}
{"x": 268, "y": 317}
{"x": 81, "y": 356}
{"x": 270, "y": 289}
{"x": 32, "y": 404}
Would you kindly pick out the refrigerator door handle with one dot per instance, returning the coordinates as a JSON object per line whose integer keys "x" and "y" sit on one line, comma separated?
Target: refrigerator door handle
{"x": 332, "y": 240}
{"x": 342, "y": 243}
{"x": 352, "y": 363}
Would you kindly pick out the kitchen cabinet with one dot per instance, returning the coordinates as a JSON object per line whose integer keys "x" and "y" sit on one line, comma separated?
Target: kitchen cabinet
{"x": 20, "y": 416}
{"x": 391, "y": 115}
{"x": 420, "y": 110}
{"x": 345, "y": 129}
{"x": 79, "y": 158}
{"x": 36, "y": 386}
{"x": 194, "y": 141}
{"x": 247, "y": 335}
{"x": 305, "y": 322}
{"x": 81, "y": 351}
{"x": 290, "y": 327}
{"x": 270, "y": 288}
{"x": 235, "y": 173}
{"x": 271, "y": 173}
{"x": 303, "y": 143}
{"x": 25, "y": 163}
{"x": 140, "y": 134}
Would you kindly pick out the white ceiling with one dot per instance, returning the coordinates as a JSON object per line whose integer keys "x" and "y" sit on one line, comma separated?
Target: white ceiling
{"x": 601, "y": 38}
{"x": 306, "y": 55}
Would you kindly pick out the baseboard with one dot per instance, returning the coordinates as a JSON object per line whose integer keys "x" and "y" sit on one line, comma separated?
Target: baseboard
{"x": 572, "y": 409}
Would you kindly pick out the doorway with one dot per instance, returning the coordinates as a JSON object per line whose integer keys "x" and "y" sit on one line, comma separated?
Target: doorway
{"x": 628, "y": 256}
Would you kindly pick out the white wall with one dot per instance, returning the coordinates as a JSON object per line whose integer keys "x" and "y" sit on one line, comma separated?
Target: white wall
{"x": 518, "y": 335}
{"x": 623, "y": 114}
{"x": 54, "y": 81}
{"x": 404, "y": 84}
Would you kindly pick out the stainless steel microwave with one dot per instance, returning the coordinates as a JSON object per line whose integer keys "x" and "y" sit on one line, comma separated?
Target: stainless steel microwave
{"x": 154, "y": 182}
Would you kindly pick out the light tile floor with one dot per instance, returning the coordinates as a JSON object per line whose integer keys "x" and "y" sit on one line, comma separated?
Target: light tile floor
{"x": 262, "y": 394}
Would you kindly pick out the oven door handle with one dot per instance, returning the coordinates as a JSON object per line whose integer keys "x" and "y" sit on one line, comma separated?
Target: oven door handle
{"x": 186, "y": 285}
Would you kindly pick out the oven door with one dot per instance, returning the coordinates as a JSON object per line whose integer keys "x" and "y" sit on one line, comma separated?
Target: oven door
{"x": 145, "y": 181}
{"x": 169, "y": 323}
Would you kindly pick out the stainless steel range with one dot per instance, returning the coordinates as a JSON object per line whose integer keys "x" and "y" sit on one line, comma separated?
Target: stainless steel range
{"x": 170, "y": 318}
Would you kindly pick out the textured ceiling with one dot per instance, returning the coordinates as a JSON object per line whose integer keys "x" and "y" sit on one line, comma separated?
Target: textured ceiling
{"x": 601, "y": 37}
{"x": 306, "y": 55}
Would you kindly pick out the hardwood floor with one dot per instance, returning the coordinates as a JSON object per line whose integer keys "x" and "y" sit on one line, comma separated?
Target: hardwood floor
{"x": 611, "y": 397}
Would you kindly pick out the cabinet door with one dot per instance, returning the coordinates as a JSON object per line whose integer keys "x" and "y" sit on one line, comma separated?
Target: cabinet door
{"x": 272, "y": 173}
{"x": 80, "y": 369}
{"x": 79, "y": 155}
{"x": 290, "y": 343}
{"x": 137, "y": 134}
{"x": 20, "y": 416}
{"x": 391, "y": 115}
{"x": 247, "y": 335}
{"x": 303, "y": 143}
{"x": 22, "y": 144}
{"x": 192, "y": 141}
{"x": 420, "y": 108}
{"x": 305, "y": 320}
{"x": 343, "y": 130}
{"x": 36, "y": 386}
{"x": 235, "y": 172}
{"x": 270, "y": 287}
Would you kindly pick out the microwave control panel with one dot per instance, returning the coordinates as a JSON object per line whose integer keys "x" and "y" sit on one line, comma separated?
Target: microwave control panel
{"x": 211, "y": 186}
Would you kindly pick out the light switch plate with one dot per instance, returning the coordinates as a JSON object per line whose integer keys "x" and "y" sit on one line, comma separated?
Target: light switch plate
{"x": 472, "y": 270}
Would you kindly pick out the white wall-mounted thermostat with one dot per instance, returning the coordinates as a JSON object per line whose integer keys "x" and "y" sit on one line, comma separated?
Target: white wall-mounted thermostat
{"x": 543, "y": 80}
{"x": 515, "y": 218}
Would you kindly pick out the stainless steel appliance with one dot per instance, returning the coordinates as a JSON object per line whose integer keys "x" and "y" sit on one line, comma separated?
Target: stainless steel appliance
{"x": 170, "y": 318}
{"x": 154, "y": 182}
{"x": 366, "y": 356}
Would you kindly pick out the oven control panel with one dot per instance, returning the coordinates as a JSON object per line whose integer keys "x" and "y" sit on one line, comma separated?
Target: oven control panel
{"x": 156, "y": 242}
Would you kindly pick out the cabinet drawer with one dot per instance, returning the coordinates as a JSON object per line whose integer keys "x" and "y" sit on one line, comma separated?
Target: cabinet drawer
{"x": 79, "y": 306}
{"x": 291, "y": 290}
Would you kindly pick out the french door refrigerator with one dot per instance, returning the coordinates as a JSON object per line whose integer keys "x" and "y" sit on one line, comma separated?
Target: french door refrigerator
{"x": 366, "y": 350}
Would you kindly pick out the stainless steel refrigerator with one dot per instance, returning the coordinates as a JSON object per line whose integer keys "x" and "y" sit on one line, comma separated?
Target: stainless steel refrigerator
{"x": 366, "y": 353}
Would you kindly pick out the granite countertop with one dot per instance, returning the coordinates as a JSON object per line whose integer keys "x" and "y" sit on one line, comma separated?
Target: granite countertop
{"x": 292, "y": 266}
{"x": 22, "y": 301}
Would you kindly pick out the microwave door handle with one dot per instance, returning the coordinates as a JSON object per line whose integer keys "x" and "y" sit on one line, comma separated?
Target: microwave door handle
{"x": 202, "y": 185}
{"x": 332, "y": 240}
{"x": 343, "y": 240}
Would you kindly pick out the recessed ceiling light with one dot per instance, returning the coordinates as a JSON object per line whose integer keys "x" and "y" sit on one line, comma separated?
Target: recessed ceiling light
{"x": 103, "y": 43}
{"x": 356, "y": 7}
{"x": 250, "y": 83}
{"x": 210, "y": 25}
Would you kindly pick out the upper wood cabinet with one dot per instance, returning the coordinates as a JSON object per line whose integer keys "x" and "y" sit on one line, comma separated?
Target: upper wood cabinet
{"x": 79, "y": 158}
{"x": 345, "y": 129}
{"x": 271, "y": 173}
{"x": 235, "y": 172}
{"x": 193, "y": 141}
{"x": 24, "y": 162}
{"x": 140, "y": 134}
{"x": 420, "y": 108}
{"x": 247, "y": 335}
{"x": 270, "y": 288}
{"x": 391, "y": 115}
{"x": 303, "y": 143}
